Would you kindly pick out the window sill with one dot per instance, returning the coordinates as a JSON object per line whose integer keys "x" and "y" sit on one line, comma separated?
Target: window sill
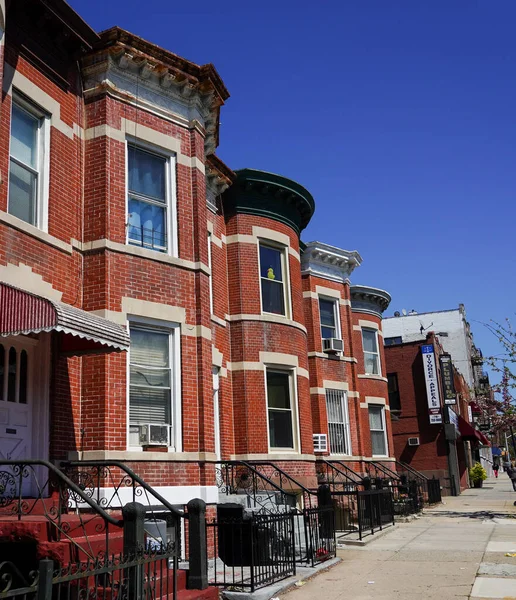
{"x": 218, "y": 321}
{"x": 367, "y": 376}
{"x": 339, "y": 357}
{"x": 34, "y": 232}
{"x": 104, "y": 244}
{"x": 137, "y": 455}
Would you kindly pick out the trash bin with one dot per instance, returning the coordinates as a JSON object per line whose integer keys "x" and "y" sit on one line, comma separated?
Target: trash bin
{"x": 236, "y": 531}
{"x": 155, "y": 533}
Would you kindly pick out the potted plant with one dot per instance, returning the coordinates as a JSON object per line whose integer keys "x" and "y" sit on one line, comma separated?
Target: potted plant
{"x": 477, "y": 474}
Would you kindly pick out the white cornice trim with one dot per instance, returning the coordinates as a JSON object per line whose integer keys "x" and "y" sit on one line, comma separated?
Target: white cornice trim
{"x": 329, "y": 262}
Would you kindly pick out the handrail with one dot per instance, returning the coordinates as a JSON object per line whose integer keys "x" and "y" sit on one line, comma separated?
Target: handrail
{"x": 385, "y": 470}
{"x": 348, "y": 469}
{"x": 285, "y": 474}
{"x": 76, "y": 489}
{"x": 132, "y": 474}
{"x": 332, "y": 466}
{"x": 238, "y": 463}
{"x": 411, "y": 469}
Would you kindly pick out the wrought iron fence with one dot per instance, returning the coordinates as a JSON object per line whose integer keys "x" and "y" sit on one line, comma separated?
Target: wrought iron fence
{"x": 37, "y": 487}
{"x": 321, "y": 544}
{"x": 144, "y": 575}
{"x": 362, "y": 512}
{"x": 250, "y": 551}
{"x": 241, "y": 480}
{"x": 112, "y": 484}
{"x": 338, "y": 476}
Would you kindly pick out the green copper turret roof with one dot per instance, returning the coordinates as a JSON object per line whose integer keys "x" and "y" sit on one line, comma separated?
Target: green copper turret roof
{"x": 269, "y": 195}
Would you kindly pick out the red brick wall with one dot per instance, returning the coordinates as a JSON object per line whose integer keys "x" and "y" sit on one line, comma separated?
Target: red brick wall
{"x": 431, "y": 456}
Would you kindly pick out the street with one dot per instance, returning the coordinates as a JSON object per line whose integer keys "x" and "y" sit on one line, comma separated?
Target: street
{"x": 455, "y": 551}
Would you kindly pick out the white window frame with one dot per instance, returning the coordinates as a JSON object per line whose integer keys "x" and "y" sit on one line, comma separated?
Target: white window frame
{"x": 345, "y": 423}
{"x": 292, "y": 374}
{"x": 377, "y": 353}
{"x": 286, "y": 276}
{"x": 174, "y": 331}
{"x": 170, "y": 193}
{"x": 336, "y": 315}
{"x": 43, "y": 160}
{"x": 384, "y": 428}
{"x": 210, "y": 266}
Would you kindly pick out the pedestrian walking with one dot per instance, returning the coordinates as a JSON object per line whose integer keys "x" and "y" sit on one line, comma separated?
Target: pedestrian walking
{"x": 495, "y": 470}
{"x": 511, "y": 471}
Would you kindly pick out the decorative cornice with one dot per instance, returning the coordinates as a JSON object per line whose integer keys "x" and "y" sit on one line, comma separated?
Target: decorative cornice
{"x": 369, "y": 300}
{"x": 218, "y": 178}
{"x": 269, "y": 195}
{"x": 329, "y": 262}
{"x": 157, "y": 79}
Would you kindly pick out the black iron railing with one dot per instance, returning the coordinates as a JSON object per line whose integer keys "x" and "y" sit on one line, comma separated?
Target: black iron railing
{"x": 260, "y": 493}
{"x": 269, "y": 490}
{"x": 250, "y": 551}
{"x": 321, "y": 544}
{"x": 305, "y": 497}
{"x": 359, "y": 513}
{"x": 37, "y": 487}
{"x": 408, "y": 493}
{"x": 338, "y": 476}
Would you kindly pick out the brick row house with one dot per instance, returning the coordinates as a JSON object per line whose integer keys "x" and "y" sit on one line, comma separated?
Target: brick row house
{"x": 440, "y": 441}
{"x": 157, "y": 307}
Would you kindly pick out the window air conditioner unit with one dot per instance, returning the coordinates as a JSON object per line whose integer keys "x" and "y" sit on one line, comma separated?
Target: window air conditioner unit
{"x": 333, "y": 345}
{"x": 154, "y": 435}
{"x": 320, "y": 442}
{"x": 413, "y": 441}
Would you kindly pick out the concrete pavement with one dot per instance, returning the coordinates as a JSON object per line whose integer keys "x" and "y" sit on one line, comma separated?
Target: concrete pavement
{"x": 455, "y": 551}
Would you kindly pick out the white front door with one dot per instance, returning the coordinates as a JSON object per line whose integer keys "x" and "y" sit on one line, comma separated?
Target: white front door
{"x": 216, "y": 412}
{"x": 15, "y": 402}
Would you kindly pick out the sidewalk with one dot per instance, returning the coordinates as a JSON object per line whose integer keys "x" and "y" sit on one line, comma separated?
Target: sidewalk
{"x": 455, "y": 551}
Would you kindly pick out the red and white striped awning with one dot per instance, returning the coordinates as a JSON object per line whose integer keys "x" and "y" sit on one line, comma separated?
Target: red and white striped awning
{"x": 23, "y": 313}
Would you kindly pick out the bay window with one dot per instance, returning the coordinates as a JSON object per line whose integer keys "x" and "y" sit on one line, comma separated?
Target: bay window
{"x": 377, "y": 428}
{"x": 328, "y": 311}
{"x": 272, "y": 279}
{"x": 28, "y": 166}
{"x": 151, "y": 206}
{"x": 281, "y": 409}
{"x": 371, "y": 354}
{"x": 151, "y": 386}
{"x": 338, "y": 422}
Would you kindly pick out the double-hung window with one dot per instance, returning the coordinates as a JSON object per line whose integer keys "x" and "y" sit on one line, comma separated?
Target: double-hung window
{"x": 377, "y": 428}
{"x": 27, "y": 163}
{"x": 281, "y": 409}
{"x": 151, "y": 209}
{"x": 151, "y": 386}
{"x": 328, "y": 310}
{"x": 338, "y": 422}
{"x": 371, "y": 355}
{"x": 272, "y": 279}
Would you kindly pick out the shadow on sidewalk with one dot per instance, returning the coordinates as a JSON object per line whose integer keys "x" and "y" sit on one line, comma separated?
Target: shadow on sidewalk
{"x": 480, "y": 514}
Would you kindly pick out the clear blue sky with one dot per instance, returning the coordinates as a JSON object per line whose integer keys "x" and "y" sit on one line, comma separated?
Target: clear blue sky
{"x": 397, "y": 115}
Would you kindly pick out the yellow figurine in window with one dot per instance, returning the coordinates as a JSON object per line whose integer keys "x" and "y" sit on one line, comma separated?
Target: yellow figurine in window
{"x": 270, "y": 273}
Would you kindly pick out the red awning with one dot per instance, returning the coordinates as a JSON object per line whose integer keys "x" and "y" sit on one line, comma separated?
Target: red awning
{"x": 475, "y": 407}
{"x": 468, "y": 432}
{"x": 82, "y": 332}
